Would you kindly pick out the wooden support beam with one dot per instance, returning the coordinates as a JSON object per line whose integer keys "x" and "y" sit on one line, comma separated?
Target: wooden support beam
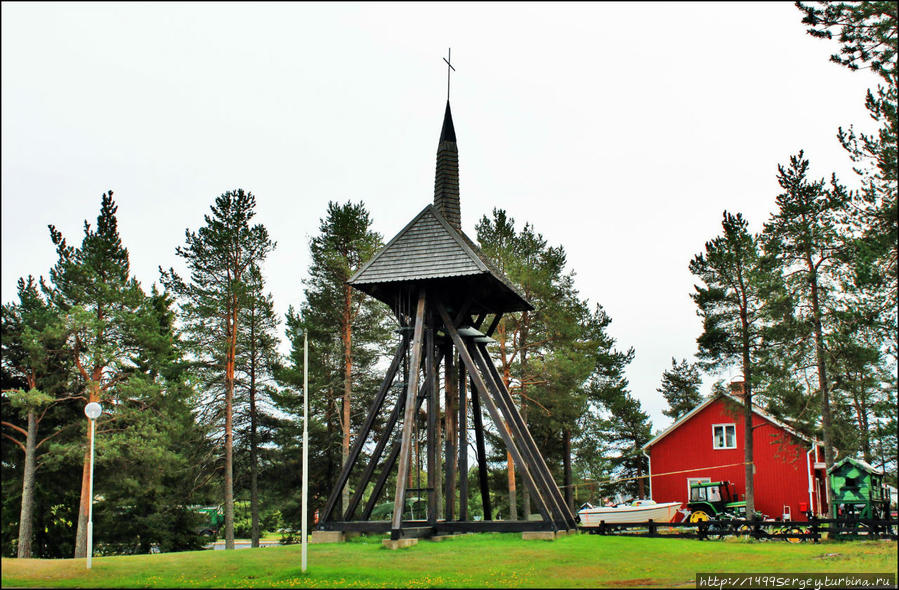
{"x": 484, "y": 393}
{"x": 411, "y": 389}
{"x": 463, "y": 313}
{"x": 540, "y": 463}
{"x": 479, "y": 320}
{"x": 496, "y": 318}
{"x": 433, "y": 413}
{"x": 364, "y": 431}
{"x": 391, "y": 460}
{"x": 463, "y": 444}
{"x": 508, "y": 436}
{"x": 481, "y": 452}
{"x": 516, "y": 425}
{"x": 379, "y": 448}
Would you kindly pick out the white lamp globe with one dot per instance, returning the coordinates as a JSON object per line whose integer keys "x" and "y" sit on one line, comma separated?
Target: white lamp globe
{"x": 93, "y": 410}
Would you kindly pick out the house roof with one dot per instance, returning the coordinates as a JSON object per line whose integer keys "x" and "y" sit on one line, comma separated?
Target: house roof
{"x": 755, "y": 410}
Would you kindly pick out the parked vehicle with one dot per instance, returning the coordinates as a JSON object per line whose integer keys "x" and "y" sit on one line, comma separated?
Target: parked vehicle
{"x": 713, "y": 501}
{"x": 214, "y": 518}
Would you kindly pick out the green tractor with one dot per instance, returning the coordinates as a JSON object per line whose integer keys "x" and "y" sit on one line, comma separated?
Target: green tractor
{"x": 714, "y": 500}
{"x": 213, "y": 519}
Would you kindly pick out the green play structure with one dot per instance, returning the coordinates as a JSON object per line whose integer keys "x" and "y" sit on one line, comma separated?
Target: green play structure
{"x": 858, "y": 490}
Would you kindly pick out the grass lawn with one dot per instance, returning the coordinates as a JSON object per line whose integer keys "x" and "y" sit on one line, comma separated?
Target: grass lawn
{"x": 484, "y": 560}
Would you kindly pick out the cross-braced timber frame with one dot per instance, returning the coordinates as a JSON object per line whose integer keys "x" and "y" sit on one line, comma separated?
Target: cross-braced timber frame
{"x": 431, "y": 338}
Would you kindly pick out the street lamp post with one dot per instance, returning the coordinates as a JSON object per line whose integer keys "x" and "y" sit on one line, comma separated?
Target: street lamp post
{"x": 92, "y": 411}
{"x": 305, "y": 493}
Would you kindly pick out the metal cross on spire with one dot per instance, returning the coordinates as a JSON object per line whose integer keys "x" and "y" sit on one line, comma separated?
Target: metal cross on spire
{"x": 449, "y": 67}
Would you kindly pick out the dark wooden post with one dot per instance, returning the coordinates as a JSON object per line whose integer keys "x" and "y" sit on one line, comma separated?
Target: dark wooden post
{"x": 481, "y": 452}
{"x": 484, "y": 393}
{"x": 463, "y": 445}
{"x": 433, "y": 413}
{"x": 450, "y": 433}
{"x": 481, "y": 388}
{"x": 399, "y": 502}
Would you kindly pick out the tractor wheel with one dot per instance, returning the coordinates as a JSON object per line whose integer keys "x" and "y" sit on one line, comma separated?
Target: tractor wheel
{"x": 699, "y": 516}
{"x": 744, "y": 530}
{"x": 794, "y": 531}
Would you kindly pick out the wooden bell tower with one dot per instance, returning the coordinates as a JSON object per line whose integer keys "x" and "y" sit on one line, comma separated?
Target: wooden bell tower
{"x": 442, "y": 289}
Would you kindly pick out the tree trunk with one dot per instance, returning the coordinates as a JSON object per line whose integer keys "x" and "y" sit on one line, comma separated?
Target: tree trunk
{"x": 25, "y": 516}
{"x": 826, "y": 420}
{"x": 450, "y": 433}
{"x": 437, "y": 455}
{"x": 254, "y": 469}
{"x": 747, "y": 416}
{"x": 510, "y": 464}
{"x": 229, "y": 430}
{"x": 861, "y": 416}
{"x": 330, "y": 412}
{"x": 84, "y": 504}
{"x": 513, "y": 500}
{"x": 566, "y": 475}
{"x": 81, "y": 528}
{"x": 347, "y": 337}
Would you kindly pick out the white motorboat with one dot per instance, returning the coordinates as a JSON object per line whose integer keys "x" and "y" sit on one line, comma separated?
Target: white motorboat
{"x": 638, "y": 511}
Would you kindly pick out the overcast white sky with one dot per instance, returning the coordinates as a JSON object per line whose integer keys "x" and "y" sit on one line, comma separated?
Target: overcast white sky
{"x": 621, "y": 131}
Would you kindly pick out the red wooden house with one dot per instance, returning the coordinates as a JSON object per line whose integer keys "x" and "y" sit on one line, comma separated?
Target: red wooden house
{"x": 706, "y": 444}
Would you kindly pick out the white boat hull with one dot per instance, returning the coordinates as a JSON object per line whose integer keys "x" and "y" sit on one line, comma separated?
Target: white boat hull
{"x": 592, "y": 517}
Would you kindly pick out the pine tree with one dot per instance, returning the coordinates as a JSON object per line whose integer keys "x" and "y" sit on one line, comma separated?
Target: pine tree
{"x": 731, "y": 304}
{"x": 680, "y": 388}
{"x": 284, "y": 482}
{"x": 803, "y": 237}
{"x": 617, "y": 419}
{"x": 347, "y": 329}
{"x": 155, "y": 457}
{"x": 32, "y": 345}
{"x": 867, "y": 34}
{"x": 256, "y": 358}
{"x": 103, "y": 310}
{"x": 220, "y": 257}
{"x": 537, "y": 270}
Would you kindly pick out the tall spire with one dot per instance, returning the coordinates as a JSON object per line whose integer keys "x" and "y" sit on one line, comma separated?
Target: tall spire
{"x": 446, "y": 180}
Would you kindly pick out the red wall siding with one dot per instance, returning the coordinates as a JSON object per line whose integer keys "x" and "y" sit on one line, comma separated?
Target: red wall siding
{"x": 781, "y": 476}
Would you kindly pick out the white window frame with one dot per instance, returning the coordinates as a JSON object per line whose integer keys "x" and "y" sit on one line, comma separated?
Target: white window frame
{"x": 692, "y": 480}
{"x": 715, "y": 440}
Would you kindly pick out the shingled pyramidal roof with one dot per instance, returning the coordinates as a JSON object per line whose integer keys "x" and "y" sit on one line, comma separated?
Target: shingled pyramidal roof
{"x": 433, "y": 249}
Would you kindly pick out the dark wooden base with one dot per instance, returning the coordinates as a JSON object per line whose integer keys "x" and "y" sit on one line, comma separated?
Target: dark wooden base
{"x": 421, "y": 528}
